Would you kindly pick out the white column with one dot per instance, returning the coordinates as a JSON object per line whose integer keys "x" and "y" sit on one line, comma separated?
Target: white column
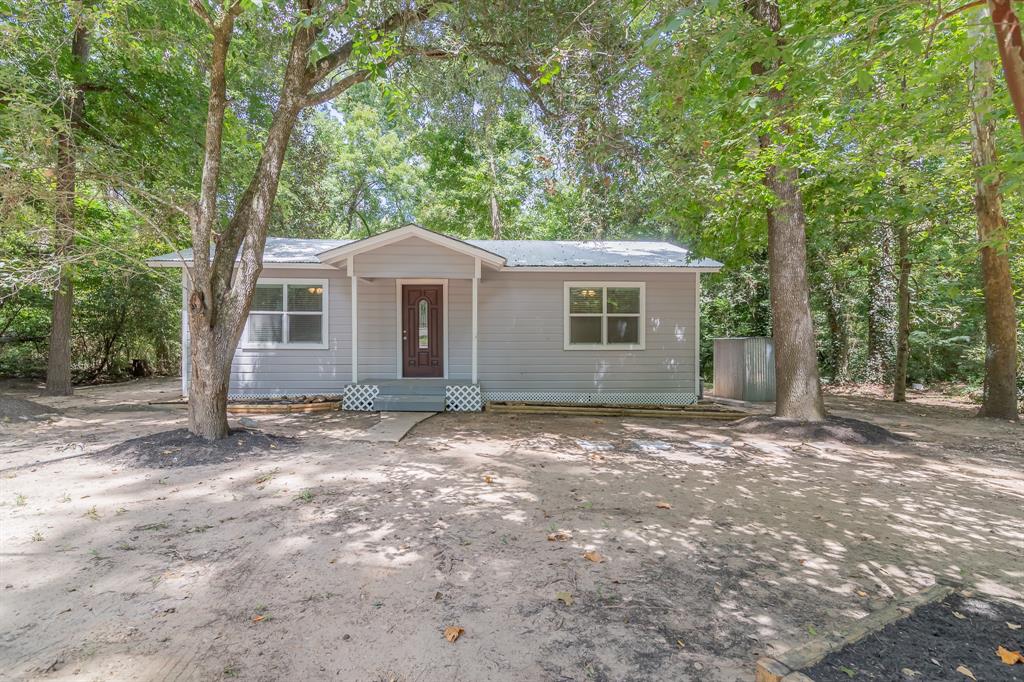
{"x": 476, "y": 282}
{"x": 355, "y": 318}
{"x": 696, "y": 334}
{"x": 185, "y": 350}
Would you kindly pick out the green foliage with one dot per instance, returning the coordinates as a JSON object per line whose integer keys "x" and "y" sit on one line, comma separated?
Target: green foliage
{"x": 578, "y": 120}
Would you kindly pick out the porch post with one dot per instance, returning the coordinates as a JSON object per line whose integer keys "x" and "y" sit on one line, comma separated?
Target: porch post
{"x": 355, "y": 319}
{"x": 476, "y": 282}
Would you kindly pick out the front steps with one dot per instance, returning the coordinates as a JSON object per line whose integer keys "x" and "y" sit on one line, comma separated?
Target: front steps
{"x": 413, "y": 395}
{"x": 410, "y": 396}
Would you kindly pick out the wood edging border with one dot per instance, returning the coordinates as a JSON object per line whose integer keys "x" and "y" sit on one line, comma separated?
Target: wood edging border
{"x": 284, "y": 408}
{"x": 786, "y": 666}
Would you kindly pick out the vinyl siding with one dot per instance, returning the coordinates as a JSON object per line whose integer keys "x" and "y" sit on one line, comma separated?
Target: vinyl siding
{"x": 520, "y": 335}
{"x": 285, "y": 370}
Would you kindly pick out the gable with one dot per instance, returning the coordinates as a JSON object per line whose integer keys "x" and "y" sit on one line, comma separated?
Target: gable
{"x": 340, "y": 254}
{"x": 413, "y": 257}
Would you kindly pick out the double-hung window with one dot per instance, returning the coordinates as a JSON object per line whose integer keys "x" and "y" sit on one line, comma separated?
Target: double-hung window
{"x": 287, "y": 314}
{"x": 605, "y": 315}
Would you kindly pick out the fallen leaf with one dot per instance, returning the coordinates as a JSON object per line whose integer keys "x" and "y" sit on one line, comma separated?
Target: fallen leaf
{"x": 964, "y": 670}
{"x": 861, "y": 593}
{"x": 488, "y": 480}
{"x": 909, "y": 672}
{"x": 680, "y": 643}
{"x": 560, "y": 535}
{"x": 258, "y": 618}
{"x": 959, "y": 615}
{"x": 1009, "y": 657}
{"x": 564, "y": 597}
{"x": 1013, "y": 626}
{"x": 593, "y": 555}
{"x": 663, "y": 505}
{"x": 452, "y": 632}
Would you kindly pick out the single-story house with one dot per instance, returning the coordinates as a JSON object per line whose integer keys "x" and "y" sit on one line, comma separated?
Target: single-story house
{"x": 446, "y": 323}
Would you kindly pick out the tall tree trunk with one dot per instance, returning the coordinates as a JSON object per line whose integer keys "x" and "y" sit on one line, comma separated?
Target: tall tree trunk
{"x": 1000, "y": 315}
{"x": 1011, "y": 52}
{"x": 881, "y": 306}
{"x": 495, "y": 209}
{"x": 899, "y": 386}
{"x": 797, "y": 384}
{"x": 58, "y": 358}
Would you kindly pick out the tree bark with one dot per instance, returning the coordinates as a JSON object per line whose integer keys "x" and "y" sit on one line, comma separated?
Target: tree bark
{"x": 58, "y": 358}
{"x": 1011, "y": 52}
{"x": 797, "y": 384}
{"x": 899, "y": 386}
{"x": 1000, "y": 314}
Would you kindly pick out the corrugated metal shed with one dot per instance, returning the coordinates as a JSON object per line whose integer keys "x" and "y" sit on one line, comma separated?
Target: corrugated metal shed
{"x": 525, "y": 253}
{"x": 745, "y": 368}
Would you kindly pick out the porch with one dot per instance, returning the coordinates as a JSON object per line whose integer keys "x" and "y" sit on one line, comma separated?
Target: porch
{"x": 413, "y": 395}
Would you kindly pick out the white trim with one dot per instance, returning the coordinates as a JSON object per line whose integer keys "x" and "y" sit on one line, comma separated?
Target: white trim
{"x": 284, "y": 312}
{"x": 266, "y": 264}
{"x": 405, "y": 232}
{"x": 474, "y": 374}
{"x": 398, "y": 324}
{"x": 696, "y": 334}
{"x": 186, "y": 347}
{"x": 604, "y": 345}
{"x": 355, "y": 317}
{"x": 584, "y": 269}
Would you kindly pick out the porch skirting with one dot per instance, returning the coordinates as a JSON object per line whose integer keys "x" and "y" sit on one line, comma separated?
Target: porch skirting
{"x": 592, "y": 397}
{"x": 464, "y": 397}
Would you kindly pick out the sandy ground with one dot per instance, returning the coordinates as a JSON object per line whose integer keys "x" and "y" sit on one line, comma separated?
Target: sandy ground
{"x": 346, "y": 560}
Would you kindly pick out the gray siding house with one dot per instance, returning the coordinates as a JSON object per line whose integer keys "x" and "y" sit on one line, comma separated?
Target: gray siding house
{"x": 412, "y": 319}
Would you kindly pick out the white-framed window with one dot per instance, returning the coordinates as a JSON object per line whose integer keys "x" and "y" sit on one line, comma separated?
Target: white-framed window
{"x": 604, "y": 315}
{"x": 287, "y": 313}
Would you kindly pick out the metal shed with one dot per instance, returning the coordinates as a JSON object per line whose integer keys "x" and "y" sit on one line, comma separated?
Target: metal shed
{"x": 745, "y": 368}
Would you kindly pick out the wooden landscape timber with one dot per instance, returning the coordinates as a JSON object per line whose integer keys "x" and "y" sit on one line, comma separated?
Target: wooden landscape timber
{"x": 698, "y": 411}
{"x": 786, "y": 667}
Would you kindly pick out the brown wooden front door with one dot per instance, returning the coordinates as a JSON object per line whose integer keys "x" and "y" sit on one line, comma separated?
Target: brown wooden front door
{"x": 422, "y": 330}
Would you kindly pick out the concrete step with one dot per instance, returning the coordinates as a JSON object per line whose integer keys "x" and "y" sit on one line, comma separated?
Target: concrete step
{"x": 411, "y": 388}
{"x": 409, "y": 403}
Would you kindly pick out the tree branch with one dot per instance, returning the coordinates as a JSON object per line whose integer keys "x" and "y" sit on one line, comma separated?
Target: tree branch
{"x": 328, "y": 64}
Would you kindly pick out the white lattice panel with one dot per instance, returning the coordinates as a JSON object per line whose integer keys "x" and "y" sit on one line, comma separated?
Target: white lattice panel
{"x": 592, "y": 397}
{"x": 463, "y": 398}
{"x": 360, "y": 397}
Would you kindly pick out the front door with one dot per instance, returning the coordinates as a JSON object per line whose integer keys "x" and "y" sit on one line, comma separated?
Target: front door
{"x": 422, "y": 342}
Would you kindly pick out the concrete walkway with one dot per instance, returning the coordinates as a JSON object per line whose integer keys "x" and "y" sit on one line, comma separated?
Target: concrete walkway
{"x": 392, "y": 426}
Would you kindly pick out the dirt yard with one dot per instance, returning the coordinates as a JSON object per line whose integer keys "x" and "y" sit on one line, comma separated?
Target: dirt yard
{"x": 343, "y": 560}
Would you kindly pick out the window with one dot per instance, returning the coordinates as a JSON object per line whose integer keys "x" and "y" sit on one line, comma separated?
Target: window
{"x": 604, "y": 315}
{"x": 287, "y": 314}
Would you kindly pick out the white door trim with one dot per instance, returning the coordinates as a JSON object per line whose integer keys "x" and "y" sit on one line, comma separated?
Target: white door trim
{"x": 398, "y": 323}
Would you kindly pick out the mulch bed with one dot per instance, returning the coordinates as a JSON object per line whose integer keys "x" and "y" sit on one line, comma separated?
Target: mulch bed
{"x": 179, "y": 448}
{"x": 838, "y": 429}
{"x": 19, "y": 408}
{"x": 932, "y": 643}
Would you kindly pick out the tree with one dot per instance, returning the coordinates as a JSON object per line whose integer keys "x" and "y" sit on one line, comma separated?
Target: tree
{"x": 58, "y": 365}
{"x": 228, "y": 251}
{"x": 1000, "y": 395}
{"x": 798, "y": 388}
{"x": 1011, "y": 52}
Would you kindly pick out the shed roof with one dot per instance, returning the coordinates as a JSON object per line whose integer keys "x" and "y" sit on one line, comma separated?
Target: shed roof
{"x": 517, "y": 253}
